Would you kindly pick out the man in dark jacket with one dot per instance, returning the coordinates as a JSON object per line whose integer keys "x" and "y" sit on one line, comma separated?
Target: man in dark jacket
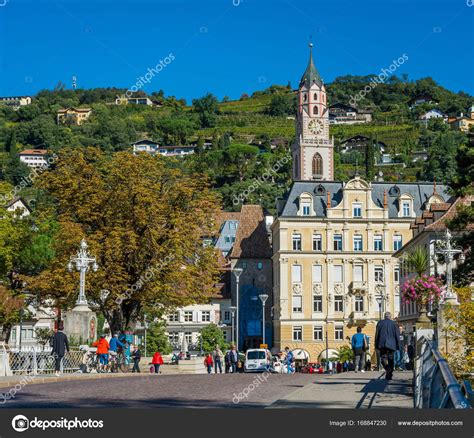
{"x": 387, "y": 341}
{"x": 60, "y": 345}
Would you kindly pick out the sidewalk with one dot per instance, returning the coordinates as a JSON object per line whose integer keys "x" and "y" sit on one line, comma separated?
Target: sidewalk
{"x": 354, "y": 391}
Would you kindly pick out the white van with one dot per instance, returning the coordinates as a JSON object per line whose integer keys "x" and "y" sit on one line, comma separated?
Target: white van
{"x": 256, "y": 360}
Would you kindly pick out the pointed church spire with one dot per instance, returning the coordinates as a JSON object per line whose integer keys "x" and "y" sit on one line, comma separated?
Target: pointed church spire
{"x": 311, "y": 74}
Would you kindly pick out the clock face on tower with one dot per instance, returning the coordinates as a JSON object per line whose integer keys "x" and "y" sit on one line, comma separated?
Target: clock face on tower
{"x": 315, "y": 127}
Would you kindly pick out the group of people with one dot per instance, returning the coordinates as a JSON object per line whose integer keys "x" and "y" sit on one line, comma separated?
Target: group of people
{"x": 106, "y": 348}
{"x": 215, "y": 359}
{"x": 390, "y": 345}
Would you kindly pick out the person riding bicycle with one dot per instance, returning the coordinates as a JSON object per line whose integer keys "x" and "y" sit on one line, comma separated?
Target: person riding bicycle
{"x": 115, "y": 344}
{"x": 102, "y": 351}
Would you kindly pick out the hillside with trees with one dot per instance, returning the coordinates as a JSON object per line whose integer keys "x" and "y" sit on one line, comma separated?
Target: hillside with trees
{"x": 236, "y": 141}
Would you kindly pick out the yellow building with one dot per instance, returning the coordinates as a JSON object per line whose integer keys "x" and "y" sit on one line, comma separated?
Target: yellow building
{"x": 73, "y": 116}
{"x": 333, "y": 242}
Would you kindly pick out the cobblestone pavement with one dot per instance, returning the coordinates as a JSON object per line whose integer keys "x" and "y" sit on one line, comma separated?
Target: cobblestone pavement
{"x": 347, "y": 390}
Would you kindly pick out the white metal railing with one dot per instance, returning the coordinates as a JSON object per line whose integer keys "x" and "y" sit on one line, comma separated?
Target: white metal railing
{"x": 29, "y": 360}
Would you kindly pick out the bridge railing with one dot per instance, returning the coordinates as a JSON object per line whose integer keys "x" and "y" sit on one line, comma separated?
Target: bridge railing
{"x": 435, "y": 385}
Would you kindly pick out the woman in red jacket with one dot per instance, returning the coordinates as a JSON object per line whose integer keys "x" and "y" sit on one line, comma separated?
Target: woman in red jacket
{"x": 157, "y": 361}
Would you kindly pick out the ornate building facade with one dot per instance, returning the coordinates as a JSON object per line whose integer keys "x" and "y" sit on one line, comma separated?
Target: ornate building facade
{"x": 333, "y": 242}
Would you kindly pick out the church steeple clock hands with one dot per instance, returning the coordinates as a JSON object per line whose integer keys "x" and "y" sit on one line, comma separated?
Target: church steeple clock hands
{"x": 313, "y": 150}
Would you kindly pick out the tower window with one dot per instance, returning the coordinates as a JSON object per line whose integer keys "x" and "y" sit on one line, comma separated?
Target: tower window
{"x": 317, "y": 165}
{"x": 315, "y": 110}
{"x": 315, "y": 97}
{"x": 305, "y": 97}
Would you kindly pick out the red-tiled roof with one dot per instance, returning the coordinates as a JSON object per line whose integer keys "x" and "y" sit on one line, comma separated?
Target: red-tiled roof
{"x": 451, "y": 213}
{"x": 251, "y": 240}
{"x": 33, "y": 152}
{"x": 443, "y": 206}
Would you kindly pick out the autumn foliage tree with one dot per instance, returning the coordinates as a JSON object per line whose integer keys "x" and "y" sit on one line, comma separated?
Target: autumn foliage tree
{"x": 144, "y": 220}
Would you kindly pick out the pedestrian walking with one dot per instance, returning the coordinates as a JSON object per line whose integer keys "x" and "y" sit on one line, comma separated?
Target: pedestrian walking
{"x": 217, "y": 354}
{"x": 289, "y": 359}
{"x": 387, "y": 341}
{"x": 60, "y": 345}
{"x": 136, "y": 356}
{"x": 359, "y": 345}
{"x": 157, "y": 361}
{"x": 227, "y": 362}
{"x": 234, "y": 358}
{"x": 208, "y": 363}
{"x": 330, "y": 367}
{"x": 401, "y": 350}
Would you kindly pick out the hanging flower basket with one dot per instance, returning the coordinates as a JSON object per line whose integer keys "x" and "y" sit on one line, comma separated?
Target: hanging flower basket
{"x": 425, "y": 291}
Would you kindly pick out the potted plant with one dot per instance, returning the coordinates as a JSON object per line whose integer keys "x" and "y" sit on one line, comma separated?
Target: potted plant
{"x": 425, "y": 291}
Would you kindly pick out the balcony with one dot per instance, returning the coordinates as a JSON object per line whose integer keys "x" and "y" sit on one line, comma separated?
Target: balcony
{"x": 359, "y": 287}
{"x": 358, "y": 317}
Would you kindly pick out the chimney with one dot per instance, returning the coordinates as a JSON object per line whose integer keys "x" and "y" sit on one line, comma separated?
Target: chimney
{"x": 385, "y": 199}
{"x": 328, "y": 202}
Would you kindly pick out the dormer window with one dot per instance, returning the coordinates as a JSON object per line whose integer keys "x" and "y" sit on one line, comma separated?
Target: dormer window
{"x": 405, "y": 202}
{"x": 306, "y": 205}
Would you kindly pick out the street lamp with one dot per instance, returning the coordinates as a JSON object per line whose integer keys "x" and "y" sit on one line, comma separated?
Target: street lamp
{"x": 263, "y": 299}
{"x": 449, "y": 252}
{"x": 82, "y": 262}
{"x": 237, "y": 273}
{"x": 381, "y": 302}
{"x": 232, "y": 312}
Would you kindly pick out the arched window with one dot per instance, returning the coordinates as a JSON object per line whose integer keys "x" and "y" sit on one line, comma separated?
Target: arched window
{"x": 305, "y": 97}
{"x": 315, "y": 97}
{"x": 317, "y": 165}
{"x": 315, "y": 110}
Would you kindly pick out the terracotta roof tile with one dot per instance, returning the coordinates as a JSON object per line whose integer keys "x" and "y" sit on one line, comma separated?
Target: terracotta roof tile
{"x": 440, "y": 224}
{"x": 444, "y": 206}
{"x": 251, "y": 240}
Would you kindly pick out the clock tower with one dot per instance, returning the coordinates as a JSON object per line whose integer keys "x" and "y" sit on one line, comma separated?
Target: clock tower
{"x": 313, "y": 150}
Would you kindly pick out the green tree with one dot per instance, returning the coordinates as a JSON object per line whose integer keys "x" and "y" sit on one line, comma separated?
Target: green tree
{"x": 207, "y": 108}
{"x": 343, "y": 353}
{"x": 157, "y": 339}
{"x": 144, "y": 220}
{"x": 282, "y": 105}
{"x": 211, "y": 336}
{"x": 418, "y": 260}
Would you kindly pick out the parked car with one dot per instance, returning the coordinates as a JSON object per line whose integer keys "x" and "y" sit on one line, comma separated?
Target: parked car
{"x": 256, "y": 360}
{"x": 311, "y": 368}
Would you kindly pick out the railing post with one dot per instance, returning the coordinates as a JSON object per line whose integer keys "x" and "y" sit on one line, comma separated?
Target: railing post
{"x": 35, "y": 362}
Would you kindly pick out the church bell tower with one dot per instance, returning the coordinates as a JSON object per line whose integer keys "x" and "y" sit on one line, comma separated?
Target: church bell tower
{"x": 313, "y": 150}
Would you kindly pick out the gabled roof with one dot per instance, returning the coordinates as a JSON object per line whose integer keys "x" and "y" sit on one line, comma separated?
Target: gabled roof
{"x": 311, "y": 74}
{"x": 77, "y": 110}
{"x": 145, "y": 141}
{"x": 343, "y": 106}
{"x": 251, "y": 240}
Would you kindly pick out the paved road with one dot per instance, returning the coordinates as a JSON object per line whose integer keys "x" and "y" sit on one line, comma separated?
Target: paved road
{"x": 347, "y": 390}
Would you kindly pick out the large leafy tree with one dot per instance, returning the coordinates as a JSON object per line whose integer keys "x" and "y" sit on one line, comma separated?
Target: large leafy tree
{"x": 144, "y": 221}
{"x": 207, "y": 108}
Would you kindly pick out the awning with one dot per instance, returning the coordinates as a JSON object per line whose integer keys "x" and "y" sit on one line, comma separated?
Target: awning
{"x": 300, "y": 354}
{"x": 324, "y": 354}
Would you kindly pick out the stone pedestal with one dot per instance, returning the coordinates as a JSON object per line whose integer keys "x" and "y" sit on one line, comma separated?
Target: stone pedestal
{"x": 80, "y": 325}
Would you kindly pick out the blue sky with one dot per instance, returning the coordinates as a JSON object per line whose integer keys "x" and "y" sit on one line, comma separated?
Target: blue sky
{"x": 229, "y": 47}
